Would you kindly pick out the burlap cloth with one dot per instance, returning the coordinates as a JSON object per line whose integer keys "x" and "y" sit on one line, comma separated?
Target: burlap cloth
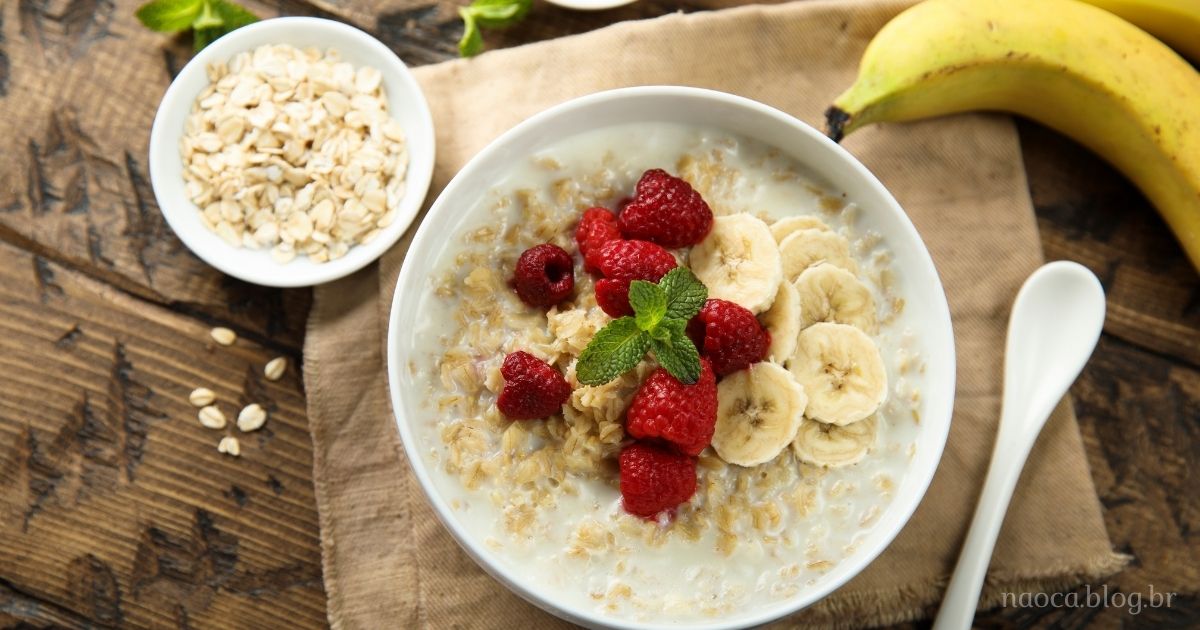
{"x": 389, "y": 563}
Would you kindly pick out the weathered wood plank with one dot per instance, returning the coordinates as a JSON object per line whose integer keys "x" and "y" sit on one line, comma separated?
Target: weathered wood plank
{"x": 80, "y": 83}
{"x": 116, "y": 505}
{"x": 1089, "y": 213}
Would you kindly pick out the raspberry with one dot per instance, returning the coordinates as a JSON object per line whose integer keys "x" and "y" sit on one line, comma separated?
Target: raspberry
{"x": 545, "y": 275}
{"x": 635, "y": 260}
{"x": 532, "y": 388}
{"x": 666, "y": 210}
{"x": 683, "y": 415}
{"x": 729, "y": 335}
{"x": 613, "y": 297}
{"x": 654, "y": 479}
{"x": 597, "y": 227}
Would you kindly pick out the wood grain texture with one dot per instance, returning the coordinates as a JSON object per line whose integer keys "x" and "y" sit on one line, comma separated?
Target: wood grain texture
{"x": 116, "y": 509}
{"x": 116, "y": 506}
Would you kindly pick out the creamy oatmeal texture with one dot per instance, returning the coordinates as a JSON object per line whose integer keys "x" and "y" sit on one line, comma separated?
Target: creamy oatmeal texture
{"x": 544, "y": 494}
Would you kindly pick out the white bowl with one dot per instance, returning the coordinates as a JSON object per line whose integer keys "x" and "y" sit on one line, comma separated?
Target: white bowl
{"x": 591, "y": 5}
{"x": 925, "y": 312}
{"x": 406, "y": 103}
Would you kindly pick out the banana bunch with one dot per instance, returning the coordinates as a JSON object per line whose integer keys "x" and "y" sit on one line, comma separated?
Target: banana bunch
{"x": 1076, "y": 68}
{"x": 824, "y": 377}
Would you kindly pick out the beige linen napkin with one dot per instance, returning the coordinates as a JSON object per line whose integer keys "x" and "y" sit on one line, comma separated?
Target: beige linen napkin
{"x": 389, "y": 563}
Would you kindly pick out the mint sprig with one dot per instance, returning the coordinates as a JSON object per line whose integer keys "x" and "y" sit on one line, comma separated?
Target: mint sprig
{"x": 487, "y": 14}
{"x": 208, "y": 19}
{"x": 660, "y": 316}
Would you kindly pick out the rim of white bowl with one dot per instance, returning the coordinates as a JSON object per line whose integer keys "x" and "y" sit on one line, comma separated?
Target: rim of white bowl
{"x": 924, "y": 466}
{"x": 164, "y": 146}
{"x": 591, "y": 5}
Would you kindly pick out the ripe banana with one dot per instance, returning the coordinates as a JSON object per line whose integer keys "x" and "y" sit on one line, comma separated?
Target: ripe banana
{"x": 841, "y": 372}
{"x": 782, "y": 320}
{"x": 739, "y": 261}
{"x": 783, "y": 227}
{"x": 803, "y": 248}
{"x": 832, "y": 446}
{"x": 1070, "y": 66}
{"x": 831, "y": 294}
{"x": 759, "y": 410}
{"x": 1176, "y": 22}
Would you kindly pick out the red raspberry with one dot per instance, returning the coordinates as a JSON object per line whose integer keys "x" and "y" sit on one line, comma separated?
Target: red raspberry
{"x": 532, "y": 388}
{"x": 545, "y": 275}
{"x": 597, "y": 227}
{"x": 613, "y": 297}
{"x": 666, "y": 210}
{"x": 654, "y": 479}
{"x": 683, "y": 415}
{"x": 729, "y": 335}
{"x": 635, "y": 260}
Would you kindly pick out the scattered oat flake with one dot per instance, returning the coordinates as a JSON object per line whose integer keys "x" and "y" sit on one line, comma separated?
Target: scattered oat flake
{"x": 202, "y": 397}
{"x": 275, "y": 368}
{"x": 223, "y": 336}
{"x": 251, "y": 418}
{"x": 230, "y": 446}
{"x": 212, "y": 417}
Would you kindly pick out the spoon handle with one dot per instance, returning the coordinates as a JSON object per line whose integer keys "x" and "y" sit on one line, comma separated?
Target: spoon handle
{"x": 962, "y": 594}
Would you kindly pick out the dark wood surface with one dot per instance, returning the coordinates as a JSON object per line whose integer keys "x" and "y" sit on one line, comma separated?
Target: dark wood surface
{"x": 117, "y": 510}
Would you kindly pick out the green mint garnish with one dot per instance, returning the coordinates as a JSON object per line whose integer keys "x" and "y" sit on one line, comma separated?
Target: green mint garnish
{"x": 487, "y": 14}
{"x": 614, "y": 350}
{"x": 208, "y": 19}
{"x": 676, "y": 352}
{"x": 685, "y": 293}
{"x": 661, "y": 313}
{"x": 649, "y": 302}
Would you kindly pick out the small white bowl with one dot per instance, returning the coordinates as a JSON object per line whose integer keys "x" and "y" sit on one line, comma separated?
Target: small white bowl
{"x": 926, "y": 314}
{"x": 406, "y": 103}
{"x": 591, "y": 5}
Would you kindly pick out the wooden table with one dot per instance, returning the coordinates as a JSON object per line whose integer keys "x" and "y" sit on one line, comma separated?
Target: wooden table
{"x": 116, "y": 508}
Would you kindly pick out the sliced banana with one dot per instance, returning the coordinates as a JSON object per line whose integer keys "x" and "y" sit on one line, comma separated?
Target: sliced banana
{"x": 739, "y": 261}
{"x": 782, "y": 320}
{"x": 841, "y": 371}
{"x": 832, "y": 446}
{"x": 828, "y": 293}
{"x": 759, "y": 410}
{"x": 783, "y": 227}
{"x": 804, "y": 248}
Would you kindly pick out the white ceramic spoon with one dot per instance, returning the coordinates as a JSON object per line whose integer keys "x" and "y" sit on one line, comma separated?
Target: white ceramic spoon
{"x": 1054, "y": 326}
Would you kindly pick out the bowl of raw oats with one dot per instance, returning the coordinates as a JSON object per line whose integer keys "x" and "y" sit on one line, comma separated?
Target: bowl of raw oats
{"x": 292, "y": 151}
{"x": 668, "y": 357}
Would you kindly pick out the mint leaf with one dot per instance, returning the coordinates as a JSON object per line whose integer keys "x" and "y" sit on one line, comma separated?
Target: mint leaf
{"x": 649, "y": 303}
{"x": 208, "y": 18}
{"x": 168, "y": 16}
{"x": 234, "y": 16}
{"x": 487, "y": 14}
{"x": 499, "y": 13}
{"x": 614, "y": 350}
{"x": 677, "y": 354}
{"x": 685, "y": 293}
{"x": 471, "y": 43}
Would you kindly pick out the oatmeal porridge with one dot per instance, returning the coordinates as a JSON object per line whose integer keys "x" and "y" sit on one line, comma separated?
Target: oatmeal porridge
{"x": 778, "y": 499}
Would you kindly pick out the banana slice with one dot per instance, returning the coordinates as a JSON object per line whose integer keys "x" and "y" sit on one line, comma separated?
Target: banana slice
{"x": 739, "y": 261}
{"x": 783, "y": 227}
{"x": 804, "y": 248}
{"x": 759, "y": 410}
{"x": 782, "y": 320}
{"x": 831, "y": 294}
{"x": 841, "y": 371}
{"x": 832, "y": 446}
